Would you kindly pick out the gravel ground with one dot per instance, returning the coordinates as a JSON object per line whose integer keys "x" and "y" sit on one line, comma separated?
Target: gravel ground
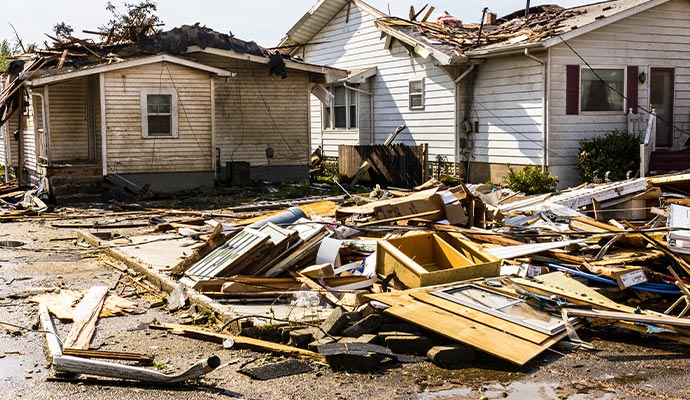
{"x": 625, "y": 365}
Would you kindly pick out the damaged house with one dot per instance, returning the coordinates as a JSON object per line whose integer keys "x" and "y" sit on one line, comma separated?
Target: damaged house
{"x": 174, "y": 111}
{"x": 523, "y": 89}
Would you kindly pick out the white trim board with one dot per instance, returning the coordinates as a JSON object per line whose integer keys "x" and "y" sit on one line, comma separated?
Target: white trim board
{"x": 63, "y": 76}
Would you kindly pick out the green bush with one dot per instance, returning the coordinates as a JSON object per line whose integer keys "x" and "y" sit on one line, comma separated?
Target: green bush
{"x": 617, "y": 152}
{"x": 530, "y": 180}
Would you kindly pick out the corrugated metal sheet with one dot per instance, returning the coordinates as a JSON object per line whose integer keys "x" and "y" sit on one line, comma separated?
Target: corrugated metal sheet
{"x": 224, "y": 256}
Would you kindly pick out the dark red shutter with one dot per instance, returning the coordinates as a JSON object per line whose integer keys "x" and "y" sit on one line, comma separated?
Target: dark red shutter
{"x": 631, "y": 92}
{"x": 572, "y": 89}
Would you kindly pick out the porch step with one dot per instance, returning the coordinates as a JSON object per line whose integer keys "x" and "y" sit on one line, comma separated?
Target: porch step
{"x": 71, "y": 189}
{"x": 664, "y": 162}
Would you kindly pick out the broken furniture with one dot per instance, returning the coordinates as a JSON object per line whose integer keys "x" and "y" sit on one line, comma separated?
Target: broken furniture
{"x": 426, "y": 259}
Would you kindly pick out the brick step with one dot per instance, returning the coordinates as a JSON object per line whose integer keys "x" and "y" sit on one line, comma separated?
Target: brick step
{"x": 668, "y": 161}
{"x": 76, "y": 180}
{"x": 75, "y": 171}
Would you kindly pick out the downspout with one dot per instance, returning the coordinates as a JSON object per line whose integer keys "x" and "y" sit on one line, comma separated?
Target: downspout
{"x": 46, "y": 130}
{"x": 468, "y": 95}
{"x": 371, "y": 113}
{"x": 544, "y": 105}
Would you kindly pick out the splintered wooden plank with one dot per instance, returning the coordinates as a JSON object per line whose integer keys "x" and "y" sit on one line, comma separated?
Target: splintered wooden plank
{"x": 493, "y": 341}
{"x": 483, "y": 318}
{"x": 240, "y": 342}
{"x": 85, "y": 316}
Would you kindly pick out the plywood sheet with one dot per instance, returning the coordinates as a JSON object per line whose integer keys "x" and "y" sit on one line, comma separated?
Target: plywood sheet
{"x": 493, "y": 341}
{"x": 484, "y": 318}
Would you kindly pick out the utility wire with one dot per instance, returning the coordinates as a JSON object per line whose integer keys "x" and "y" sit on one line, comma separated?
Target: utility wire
{"x": 509, "y": 126}
{"x": 184, "y": 111}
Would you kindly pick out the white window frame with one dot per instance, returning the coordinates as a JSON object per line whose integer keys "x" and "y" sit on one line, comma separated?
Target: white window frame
{"x": 173, "y": 112}
{"x": 421, "y": 94}
{"x": 624, "y": 91}
{"x": 349, "y": 94}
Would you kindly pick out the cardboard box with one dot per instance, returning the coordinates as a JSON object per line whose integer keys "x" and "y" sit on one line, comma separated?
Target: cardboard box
{"x": 427, "y": 259}
{"x": 455, "y": 214}
{"x": 417, "y": 203}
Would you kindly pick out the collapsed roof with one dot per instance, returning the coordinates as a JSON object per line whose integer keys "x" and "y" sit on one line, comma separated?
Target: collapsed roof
{"x": 542, "y": 26}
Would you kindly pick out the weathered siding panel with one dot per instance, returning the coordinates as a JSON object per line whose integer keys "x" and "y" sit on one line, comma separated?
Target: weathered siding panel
{"x": 68, "y": 120}
{"x": 356, "y": 44}
{"x": 508, "y": 96}
{"x": 27, "y": 124}
{"x": 659, "y": 37}
{"x": 127, "y": 151}
{"x": 255, "y": 111}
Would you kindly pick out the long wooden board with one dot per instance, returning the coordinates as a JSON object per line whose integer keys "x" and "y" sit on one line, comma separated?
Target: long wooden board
{"x": 493, "y": 341}
{"x": 483, "y": 318}
{"x": 85, "y": 316}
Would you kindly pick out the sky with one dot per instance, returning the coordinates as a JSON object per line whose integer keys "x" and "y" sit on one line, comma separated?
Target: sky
{"x": 263, "y": 21}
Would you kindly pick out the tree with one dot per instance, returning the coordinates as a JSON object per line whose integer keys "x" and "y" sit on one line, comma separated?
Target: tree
{"x": 62, "y": 30}
{"x": 7, "y": 50}
{"x": 136, "y": 22}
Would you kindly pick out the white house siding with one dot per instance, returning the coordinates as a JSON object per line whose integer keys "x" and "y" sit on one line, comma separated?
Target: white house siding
{"x": 127, "y": 151}
{"x": 357, "y": 44}
{"x": 255, "y": 111}
{"x": 68, "y": 121}
{"x": 29, "y": 146}
{"x": 3, "y": 146}
{"x": 658, "y": 37}
{"x": 30, "y": 160}
{"x": 508, "y": 103}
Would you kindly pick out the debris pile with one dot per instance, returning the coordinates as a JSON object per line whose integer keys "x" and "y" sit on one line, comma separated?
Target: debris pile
{"x": 435, "y": 273}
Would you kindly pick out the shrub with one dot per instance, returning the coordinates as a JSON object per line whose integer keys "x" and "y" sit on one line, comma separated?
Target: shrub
{"x": 617, "y": 152}
{"x": 530, "y": 180}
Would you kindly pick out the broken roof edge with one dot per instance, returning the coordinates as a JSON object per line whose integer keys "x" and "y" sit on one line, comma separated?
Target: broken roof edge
{"x": 601, "y": 22}
{"x": 336, "y": 73}
{"x": 441, "y": 57}
{"x": 294, "y": 32}
{"x": 558, "y": 39}
{"x": 60, "y": 76}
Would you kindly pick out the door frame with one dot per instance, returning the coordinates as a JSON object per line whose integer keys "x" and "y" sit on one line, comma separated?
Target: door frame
{"x": 672, "y": 102}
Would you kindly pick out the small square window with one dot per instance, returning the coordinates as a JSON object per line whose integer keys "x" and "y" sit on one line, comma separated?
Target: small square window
{"x": 159, "y": 112}
{"x": 416, "y": 90}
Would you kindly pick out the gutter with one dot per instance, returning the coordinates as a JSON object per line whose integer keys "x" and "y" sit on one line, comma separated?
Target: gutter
{"x": 371, "y": 103}
{"x": 504, "y": 51}
{"x": 544, "y": 105}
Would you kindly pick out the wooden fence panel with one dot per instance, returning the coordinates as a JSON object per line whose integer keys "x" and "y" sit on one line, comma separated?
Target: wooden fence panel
{"x": 394, "y": 165}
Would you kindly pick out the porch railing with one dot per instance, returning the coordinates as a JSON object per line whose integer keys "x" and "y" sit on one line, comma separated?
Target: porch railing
{"x": 648, "y": 144}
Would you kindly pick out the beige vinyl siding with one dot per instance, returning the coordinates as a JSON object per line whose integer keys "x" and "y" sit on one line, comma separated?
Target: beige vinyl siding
{"x": 357, "y": 44}
{"x": 658, "y": 37}
{"x": 69, "y": 129}
{"x": 508, "y": 96}
{"x": 128, "y": 151}
{"x": 255, "y": 111}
